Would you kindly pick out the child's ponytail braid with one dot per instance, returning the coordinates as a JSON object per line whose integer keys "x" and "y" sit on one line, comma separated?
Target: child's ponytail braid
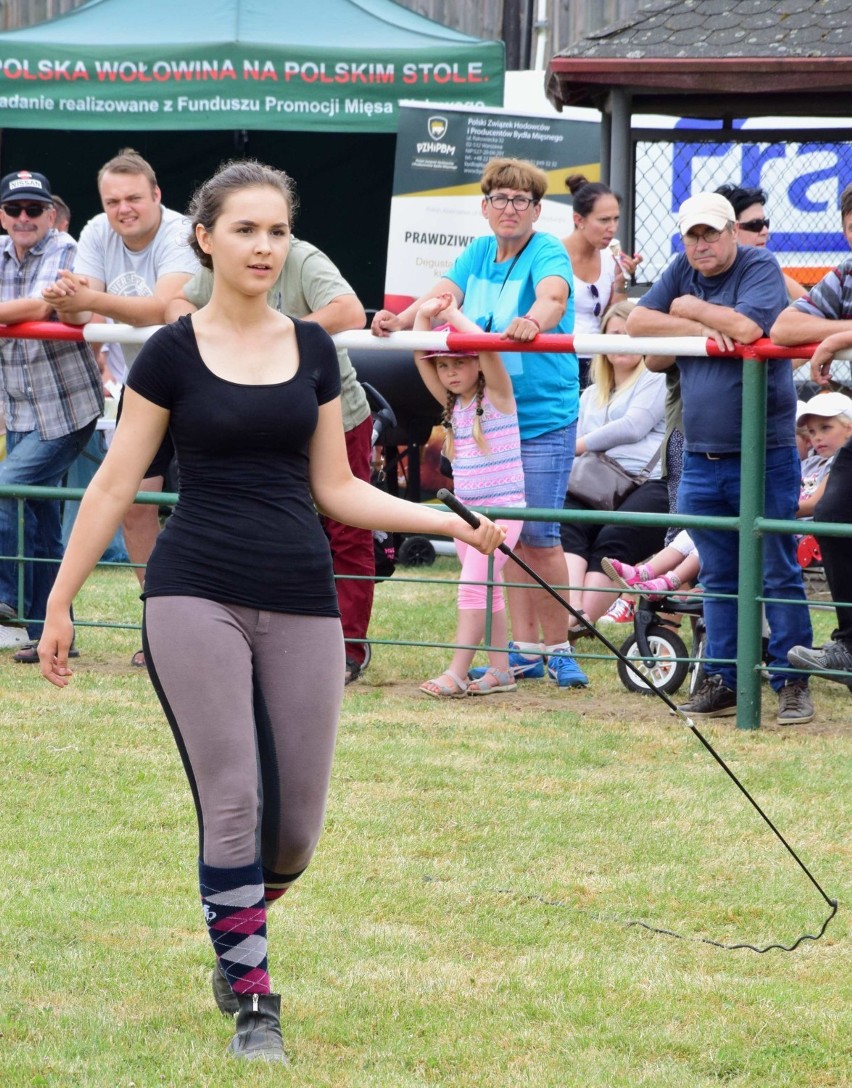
{"x": 478, "y": 433}
{"x": 448, "y": 447}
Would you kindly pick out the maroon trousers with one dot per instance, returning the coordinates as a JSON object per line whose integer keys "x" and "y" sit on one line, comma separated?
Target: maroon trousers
{"x": 352, "y": 551}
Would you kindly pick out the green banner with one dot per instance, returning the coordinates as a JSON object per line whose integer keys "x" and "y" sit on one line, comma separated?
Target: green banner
{"x": 226, "y": 87}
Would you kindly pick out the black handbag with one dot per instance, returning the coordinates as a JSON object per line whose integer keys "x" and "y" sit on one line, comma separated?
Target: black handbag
{"x": 600, "y": 481}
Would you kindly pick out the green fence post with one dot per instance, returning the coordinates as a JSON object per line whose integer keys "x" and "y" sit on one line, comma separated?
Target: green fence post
{"x": 489, "y": 600}
{"x": 752, "y": 486}
{"x": 20, "y": 571}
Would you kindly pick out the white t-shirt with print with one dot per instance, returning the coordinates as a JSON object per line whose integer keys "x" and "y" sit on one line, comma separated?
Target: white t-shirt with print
{"x": 102, "y": 254}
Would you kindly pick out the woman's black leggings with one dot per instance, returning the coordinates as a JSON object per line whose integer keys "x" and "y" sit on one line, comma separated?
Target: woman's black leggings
{"x": 253, "y": 699}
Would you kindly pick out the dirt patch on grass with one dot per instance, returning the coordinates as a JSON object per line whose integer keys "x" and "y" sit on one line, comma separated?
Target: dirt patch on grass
{"x": 604, "y": 700}
{"x": 833, "y": 705}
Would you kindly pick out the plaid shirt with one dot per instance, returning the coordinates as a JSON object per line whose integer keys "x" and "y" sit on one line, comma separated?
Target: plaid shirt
{"x": 832, "y": 296}
{"x": 49, "y": 386}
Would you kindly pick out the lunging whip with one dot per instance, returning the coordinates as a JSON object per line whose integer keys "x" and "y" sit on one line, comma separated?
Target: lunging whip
{"x": 459, "y": 508}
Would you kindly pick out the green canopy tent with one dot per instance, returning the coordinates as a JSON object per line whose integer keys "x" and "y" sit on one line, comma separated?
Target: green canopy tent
{"x": 311, "y": 87}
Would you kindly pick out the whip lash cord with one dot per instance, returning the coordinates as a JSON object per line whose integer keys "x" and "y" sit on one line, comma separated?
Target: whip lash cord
{"x": 459, "y": 508}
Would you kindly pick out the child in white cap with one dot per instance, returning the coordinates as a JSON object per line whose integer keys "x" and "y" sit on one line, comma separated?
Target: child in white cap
{"x": 827, "y": 421}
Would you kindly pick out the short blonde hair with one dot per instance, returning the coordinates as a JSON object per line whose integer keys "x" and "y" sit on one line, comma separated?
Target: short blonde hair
{"x": 514, "y": 174}
{"x": 129, "y": 161}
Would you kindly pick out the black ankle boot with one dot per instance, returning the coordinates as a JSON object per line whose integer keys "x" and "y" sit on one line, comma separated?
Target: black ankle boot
{"x": 258, "y": 1032}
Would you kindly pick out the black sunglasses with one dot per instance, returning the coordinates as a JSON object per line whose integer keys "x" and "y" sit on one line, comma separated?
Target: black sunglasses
{"x": 33, "y": 210}
{"x": 596, "y": 296}
{"x": 755, "y": 226}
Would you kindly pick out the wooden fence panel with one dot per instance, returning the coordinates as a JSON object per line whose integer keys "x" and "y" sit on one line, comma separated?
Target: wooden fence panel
{"x": 567, "y": 20}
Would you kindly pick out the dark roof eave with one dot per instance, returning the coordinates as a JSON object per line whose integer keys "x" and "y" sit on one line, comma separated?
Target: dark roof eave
{"x": 586, "y": 81}
{"x": 614, "y": 65}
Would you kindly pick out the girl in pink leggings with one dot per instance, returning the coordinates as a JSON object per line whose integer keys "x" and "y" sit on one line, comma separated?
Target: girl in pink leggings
{"x": 240, "y": 604}
{"x": 484, "y": 445}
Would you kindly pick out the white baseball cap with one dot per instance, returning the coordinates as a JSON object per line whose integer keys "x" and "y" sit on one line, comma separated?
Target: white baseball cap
{"x": 825, "y": 405}
{"x": 707, "y": 209}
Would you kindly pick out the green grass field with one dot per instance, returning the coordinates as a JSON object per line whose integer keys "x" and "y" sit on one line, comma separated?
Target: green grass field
{"x": 466, "y": 920}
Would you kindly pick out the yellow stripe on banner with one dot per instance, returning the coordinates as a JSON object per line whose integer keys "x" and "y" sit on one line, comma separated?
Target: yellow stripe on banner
{"x": 555, "y": 180}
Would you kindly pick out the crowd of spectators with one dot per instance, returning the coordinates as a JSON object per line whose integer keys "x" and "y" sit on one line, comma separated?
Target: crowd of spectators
{"x": 659, "y": 418}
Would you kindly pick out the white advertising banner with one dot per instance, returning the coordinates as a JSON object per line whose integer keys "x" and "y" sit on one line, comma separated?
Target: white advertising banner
{"x": 436, "y": 209}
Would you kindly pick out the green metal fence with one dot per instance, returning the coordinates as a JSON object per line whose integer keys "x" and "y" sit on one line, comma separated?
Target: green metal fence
{"x": 751, "y": 526}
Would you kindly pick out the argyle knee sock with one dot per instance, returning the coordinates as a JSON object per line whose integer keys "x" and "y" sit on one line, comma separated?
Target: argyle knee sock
{"x": 235, "y": 912}
{"x": 276, "y": 884}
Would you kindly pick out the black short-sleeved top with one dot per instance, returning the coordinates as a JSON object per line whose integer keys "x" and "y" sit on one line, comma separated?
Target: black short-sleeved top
{"x": 245, "y": 530}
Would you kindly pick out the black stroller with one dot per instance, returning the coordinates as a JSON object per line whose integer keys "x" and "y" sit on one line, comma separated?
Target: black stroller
{"x": 400, "y": 433}
{"x": 657, "y": 649}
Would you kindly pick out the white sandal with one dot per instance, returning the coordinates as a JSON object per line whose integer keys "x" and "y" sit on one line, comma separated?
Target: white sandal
{"x": 444, "y": 691}
{"x": 492, "y": 682}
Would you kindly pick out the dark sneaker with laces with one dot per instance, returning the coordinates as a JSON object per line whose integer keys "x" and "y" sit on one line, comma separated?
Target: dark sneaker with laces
{"x": 28, "y": 653}
{"x": 712, "y": 700}
{"x": 795, "y": 706}
{"x": 834, "y": 655}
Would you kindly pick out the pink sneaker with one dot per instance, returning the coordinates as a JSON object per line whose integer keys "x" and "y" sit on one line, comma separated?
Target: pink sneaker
{"x": 625, "y": 574}
{"x": 656, "y": 588}
{"x": 620, "y": 612}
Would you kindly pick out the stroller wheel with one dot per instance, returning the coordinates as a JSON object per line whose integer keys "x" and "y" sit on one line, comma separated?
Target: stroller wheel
{"x": 661, "y": 671}
{"x": 416, "y": 551}
{"x": 699, "y": 648}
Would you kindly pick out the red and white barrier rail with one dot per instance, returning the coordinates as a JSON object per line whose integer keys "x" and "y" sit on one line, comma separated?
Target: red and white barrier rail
{"x": 97, "y": 332}
{"x": 584, "y": 345}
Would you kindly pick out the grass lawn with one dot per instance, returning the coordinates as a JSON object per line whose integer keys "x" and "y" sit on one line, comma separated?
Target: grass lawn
{"x": 466, "y": 920}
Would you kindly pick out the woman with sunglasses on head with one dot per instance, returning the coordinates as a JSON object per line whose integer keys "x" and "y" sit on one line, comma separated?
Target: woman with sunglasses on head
{"x": 753, "y": 224}
{"x": 596, "y": 257}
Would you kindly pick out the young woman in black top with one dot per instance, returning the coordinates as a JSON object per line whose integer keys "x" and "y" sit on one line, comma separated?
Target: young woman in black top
{"x": 239, "y": 596}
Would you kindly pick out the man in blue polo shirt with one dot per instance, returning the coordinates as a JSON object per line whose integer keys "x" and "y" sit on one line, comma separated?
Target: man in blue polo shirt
{"x": 717, "y": 289}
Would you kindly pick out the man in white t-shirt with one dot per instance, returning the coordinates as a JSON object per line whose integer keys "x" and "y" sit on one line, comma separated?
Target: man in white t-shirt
{"x": 132, "y": 260}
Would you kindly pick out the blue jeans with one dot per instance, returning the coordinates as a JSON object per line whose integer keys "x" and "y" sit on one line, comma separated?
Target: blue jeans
{"x": 34, "y": 462}
{"x": 712, "y": 487}
{"x": 547, "y": 461}
{"x": 80, "y": 475}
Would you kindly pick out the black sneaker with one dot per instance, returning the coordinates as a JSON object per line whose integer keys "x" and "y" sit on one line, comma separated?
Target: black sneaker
{"x": 352, "y": 671}
{"x": 28, "y": 653}
{"x": 834, "y": 655}
{"x": 795, "y": 706}
{"x": 712, "y": 700}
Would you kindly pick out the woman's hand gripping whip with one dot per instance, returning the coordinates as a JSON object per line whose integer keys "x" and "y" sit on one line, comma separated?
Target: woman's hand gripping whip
{"x": 457, "y": 507}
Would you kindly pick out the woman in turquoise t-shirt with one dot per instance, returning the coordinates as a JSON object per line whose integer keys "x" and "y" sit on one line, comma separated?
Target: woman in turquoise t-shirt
{"x": 518, "y": 282}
